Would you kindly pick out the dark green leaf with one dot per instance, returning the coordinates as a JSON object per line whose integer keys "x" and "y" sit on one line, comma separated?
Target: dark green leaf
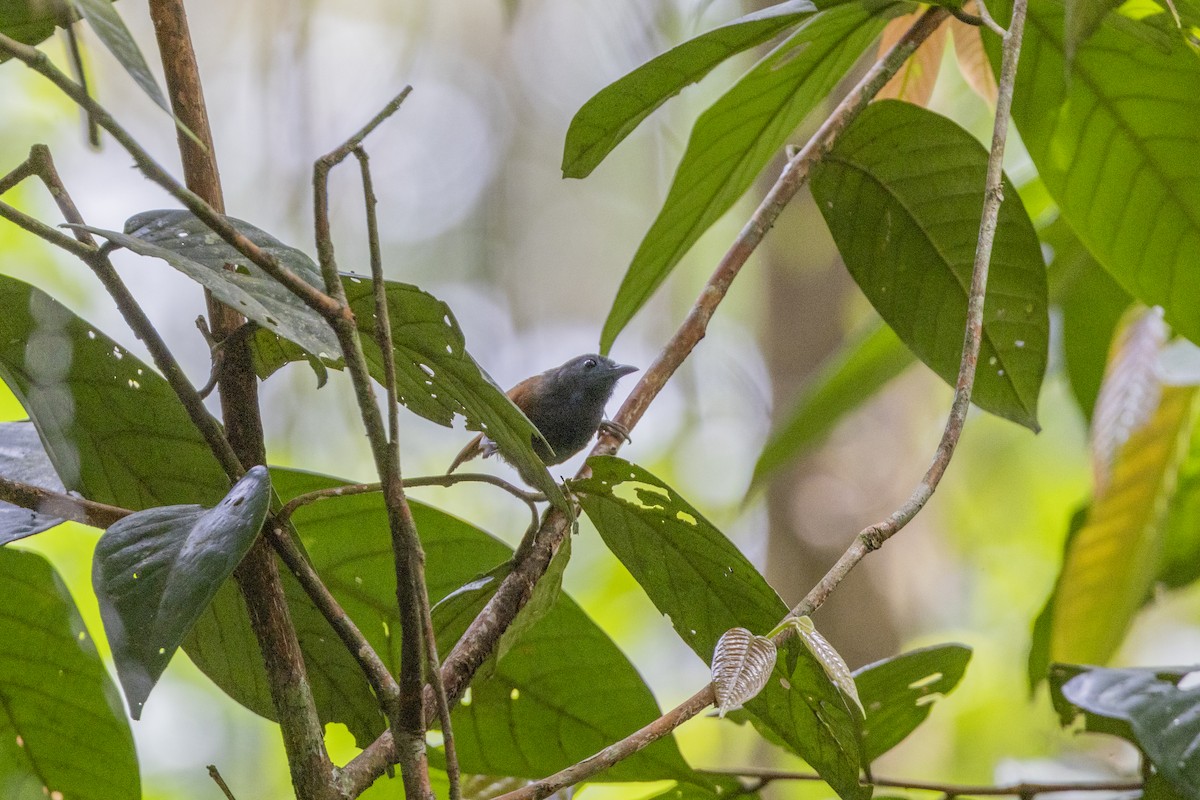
{"x": 1112, "y": 141}
{"x": 735, "y": 138}
{"x": 846, "y": 381}
{"x": 575, "y": 692}
{"x": 32, "y": 22}
{"x": 1181, "y": 534}
{"x": 1164, "y": 719}
{"x": 902, "y": 192}
{"x": 612, "y": 114}
{"x": 156, "y": 571}
{"x": 63, "y": 732}
{"x": 700, "y": 580}
{"x": 1092, "y": 304}
{"x": 182, "y": 240}
{"x": 23, "y": 459}
{"x": 113, "y": 429}
{"x": 111, "y": 31}
{"x": 898, "y": 693}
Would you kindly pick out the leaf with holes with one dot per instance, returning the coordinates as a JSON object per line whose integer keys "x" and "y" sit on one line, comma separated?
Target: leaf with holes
{"x": 155, "y": 572}
{"x": 182, "y": 240}
{"x": 702, "y": 582}
{"x": 1113, "y": 140}
{"x": 735, "y": 138}
{"x": 63, "y": 732}
{"x": 612, "y": 114}
{"x": 902, "y": 192}
{"x": 898, "y": 693}
{"x": 848, "y": 379}
{"x": 741, "y": 666}
{"x": 23, "y": 459}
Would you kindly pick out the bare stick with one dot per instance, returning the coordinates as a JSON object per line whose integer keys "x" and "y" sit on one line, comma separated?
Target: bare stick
{"x": 56, "y": 504}
{"x": 217, "y": 779}
{"x": 762, "y": 777}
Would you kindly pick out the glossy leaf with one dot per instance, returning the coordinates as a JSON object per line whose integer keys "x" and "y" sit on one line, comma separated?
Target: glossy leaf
{"x": 1114, "y": 557}
{"x": 111, "y": 31}
{"x": 1112, "y": 140}
{"x": 735, "y": 138}
{"x": 63, "y": 732}
{"x": 902, "y": 192}
{"x": 613, "y": 113}
{"x": 156, "y": 571}
{"x": 23, "y": 459}
{"x": 850, "y": 378}
{"x": 1163, "y": 718}
{"x": 898, "y": 693}
{"x": 561, "y": 692}
{"x": 742, "y": 663}
{"x": 700, "y": 580}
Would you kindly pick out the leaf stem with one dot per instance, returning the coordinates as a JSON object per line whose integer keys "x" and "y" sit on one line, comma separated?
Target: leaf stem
{"x": 763, "y": 777}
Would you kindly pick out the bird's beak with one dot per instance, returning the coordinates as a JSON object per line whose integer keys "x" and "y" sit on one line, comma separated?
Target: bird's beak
{"x": 622, "y": 369}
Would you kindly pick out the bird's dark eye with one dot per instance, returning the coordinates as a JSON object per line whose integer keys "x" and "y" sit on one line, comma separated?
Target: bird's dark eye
{"x": 589, "y": 364}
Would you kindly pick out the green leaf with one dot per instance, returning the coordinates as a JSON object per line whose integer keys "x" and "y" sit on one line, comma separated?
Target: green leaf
{"x": 437, "y": 378}
{"x": 898, "y": 693}
{"x": 1180, "y": 563}
{"x": 735, "y": 138}
{"x": 612, "y": 114}
{"x": 1092, "y": 304}
{"x": 1038, "y": 665}
{"x": 32, "y": 21}
{"x": 156, "y": 571}
{"x": 23, "y": 459}
{"x": 902, "y": 192}
{"x": 1113, "y": 141}
{"x": 113, "y": 429}
{"x": 847, "y": 380}
{"x": 562, "y": 691}
{"x": 62, "y": 729}
{"x": 1081, "y": 19}
{"x": 700, "y": 580}
{"x": 1163, "y": 718}
{"x": 182, "y": 240}
{"x": 111, "y": 31}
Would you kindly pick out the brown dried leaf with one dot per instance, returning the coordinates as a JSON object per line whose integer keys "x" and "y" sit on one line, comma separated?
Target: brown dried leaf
{"x": 831, "y": 661}
{"x": 972, "y": 60}
{"x": 916, "y": 79}
{"x": 1130, "y": 390}
{"x": 742, "y": 663}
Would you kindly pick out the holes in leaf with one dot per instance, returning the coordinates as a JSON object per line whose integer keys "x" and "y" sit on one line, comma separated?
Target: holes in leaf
{"x": 515, "y": 694}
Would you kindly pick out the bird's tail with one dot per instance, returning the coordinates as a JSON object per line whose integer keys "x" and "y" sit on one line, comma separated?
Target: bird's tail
{"x": 475, "y": 448}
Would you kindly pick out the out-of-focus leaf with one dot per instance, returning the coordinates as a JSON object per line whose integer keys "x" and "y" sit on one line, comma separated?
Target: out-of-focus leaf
{"x": 23, "y": 459}
{"x": 1081, "y": 19}
{"x": 1092, "y": 304}
{"x": 735, "y": 138}
{"x": 33, "y": 21}
{"x": 1038, "y": 666}
{"x": 111, "y": 31}
{"x": 830, "y": 660}
{"x": 1114, "y": 558}
{"x": 700, "y": 580}
{"x": 915, "y": 80}
{"x": 902, "y": 192}
{"x": 1112, "y": 140}
{"x": 1180, "y": 564}
{"x": 971, "y": 58}
{"x": 156, "y": 571}
{"x": 846, "y": 381}
{"x": 63, "y": 732}
{"x": 562, "y": 691}
{"x": 1163, "y": 719}
{"x": 742, "y": 663}
{"x": 898, "y": 693}
{"x": 613, "y": 112}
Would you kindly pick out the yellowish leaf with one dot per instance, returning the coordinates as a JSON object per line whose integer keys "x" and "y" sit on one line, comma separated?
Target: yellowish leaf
{"x": 916, "y": 79}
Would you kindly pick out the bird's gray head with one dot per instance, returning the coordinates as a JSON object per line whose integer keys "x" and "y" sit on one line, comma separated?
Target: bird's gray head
{"x": 589, "y": 374}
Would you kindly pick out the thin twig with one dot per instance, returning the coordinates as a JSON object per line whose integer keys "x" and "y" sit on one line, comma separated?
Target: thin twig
{"x": 56, "y": 504}
{"x": 988, "y": 20}
{"x": 965, "y": 17}
{"x": 216, "y": 776}
{"x": 762, "y": 777}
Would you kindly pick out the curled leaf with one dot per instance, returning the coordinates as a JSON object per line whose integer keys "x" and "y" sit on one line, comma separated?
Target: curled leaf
{"x": 741, "y": 665}
{"x": 830, "y": 660}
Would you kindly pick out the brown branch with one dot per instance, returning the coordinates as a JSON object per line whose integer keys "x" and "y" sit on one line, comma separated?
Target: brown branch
{"x": 56, "y": 504}
{"x": 408, "y": 721}
{"x": 763, "y": 777}
{"x": 217, "y": 779}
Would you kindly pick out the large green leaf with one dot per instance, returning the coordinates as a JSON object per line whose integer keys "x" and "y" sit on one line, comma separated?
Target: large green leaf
{"x": 562, "y": 691}
{"x": 735, "y": 138}
{"x": 898, "y": 693}
{"x": 1114, "y": 142}
{"x": 63, "y": 732}
{"x": 902, "y": 192}
{"x": 850, "y": 378}
{"x": 23, "y": 459}
{"x": 112, "y": 427}
{"x": 700, "y": 580}
{"x": 612, "y": 114}
{"x": 156, "y": 571}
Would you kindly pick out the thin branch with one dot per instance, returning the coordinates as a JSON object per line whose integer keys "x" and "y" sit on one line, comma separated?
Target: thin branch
{"x": 217, "y": 779}
{"x": 988, "y": 20}
{"x": 965, "y": 17}
{"x": 762, "y": 777}
{"x": 408, "y": 723}
{"x": 56, "y": 504}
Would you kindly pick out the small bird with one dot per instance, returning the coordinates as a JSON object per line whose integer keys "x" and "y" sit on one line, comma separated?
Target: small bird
{"x": 566, "y": 404}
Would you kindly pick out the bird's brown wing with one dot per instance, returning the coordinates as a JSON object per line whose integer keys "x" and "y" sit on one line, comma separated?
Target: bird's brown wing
{"x": 521, "y": 395}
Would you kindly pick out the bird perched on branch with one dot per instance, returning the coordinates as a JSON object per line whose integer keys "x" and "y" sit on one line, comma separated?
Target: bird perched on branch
{"x": 566, "y": 404}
